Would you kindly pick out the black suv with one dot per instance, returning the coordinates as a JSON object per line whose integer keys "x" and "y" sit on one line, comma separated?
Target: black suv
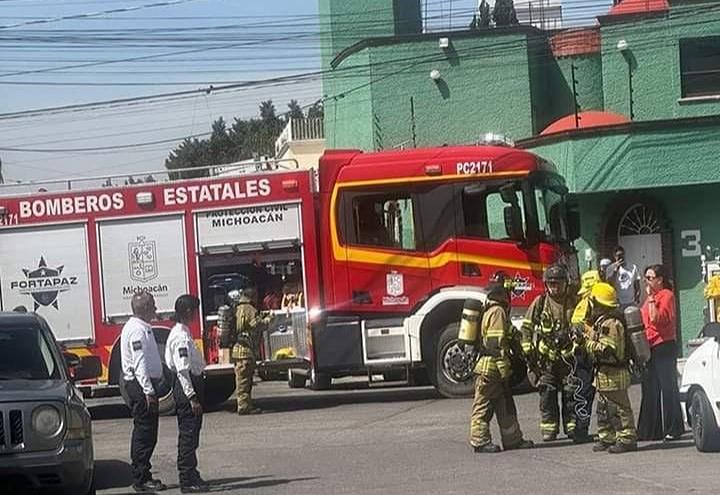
{"x": 45, "y": 428}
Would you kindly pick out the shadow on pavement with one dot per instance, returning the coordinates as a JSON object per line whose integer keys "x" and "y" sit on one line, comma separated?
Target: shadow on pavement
{"x": 109, "y": 411}
{"x": 230, "y": 484}
{"x": 112, "y": 473}
{"x": 337, "y": 397}
{"x": 678, "y": 444}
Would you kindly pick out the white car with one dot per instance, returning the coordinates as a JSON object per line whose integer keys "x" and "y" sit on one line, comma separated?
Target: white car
{"x": 700, "y": 391}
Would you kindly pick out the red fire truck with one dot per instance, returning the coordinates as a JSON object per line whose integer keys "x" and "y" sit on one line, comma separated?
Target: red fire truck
{"x": 379, "y": 250}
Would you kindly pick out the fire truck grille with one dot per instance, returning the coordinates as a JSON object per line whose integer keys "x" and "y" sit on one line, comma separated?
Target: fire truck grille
{"x": 16, "y": 427}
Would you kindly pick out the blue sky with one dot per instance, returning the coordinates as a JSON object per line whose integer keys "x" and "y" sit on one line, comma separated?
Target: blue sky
{"x": 203, "y": 27}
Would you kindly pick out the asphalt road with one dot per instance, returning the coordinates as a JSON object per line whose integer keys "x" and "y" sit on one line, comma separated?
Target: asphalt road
{"x": 389, "y": 441}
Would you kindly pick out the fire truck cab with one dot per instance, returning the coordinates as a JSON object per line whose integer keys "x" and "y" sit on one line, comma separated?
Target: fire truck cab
{"x": 364, "y": 263}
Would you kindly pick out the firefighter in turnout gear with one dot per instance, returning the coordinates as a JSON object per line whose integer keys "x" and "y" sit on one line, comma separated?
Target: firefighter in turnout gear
{"x": 606, "y": 342}
{"x": 583, "y": 371}
{"x": 492, "y": 388}
{"x": 247, "y": 328}
{"x": 549, "y": 351}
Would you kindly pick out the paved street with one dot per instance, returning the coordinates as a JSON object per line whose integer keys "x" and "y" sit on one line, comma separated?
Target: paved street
{"x": 389, "y": 441}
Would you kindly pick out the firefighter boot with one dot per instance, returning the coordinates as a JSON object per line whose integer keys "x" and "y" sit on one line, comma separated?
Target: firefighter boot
{"x": 488, "y": 448}
{"x": 601, "y": 447}
{"x": 621, "y": 448}
{"x": 524, "y": 444}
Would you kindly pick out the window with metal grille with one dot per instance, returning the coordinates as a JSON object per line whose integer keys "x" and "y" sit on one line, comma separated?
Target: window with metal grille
{"x": 700, "y": 66}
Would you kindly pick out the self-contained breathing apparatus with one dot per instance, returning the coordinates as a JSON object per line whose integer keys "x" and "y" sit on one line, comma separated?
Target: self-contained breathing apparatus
{"x": 472, "y": 315}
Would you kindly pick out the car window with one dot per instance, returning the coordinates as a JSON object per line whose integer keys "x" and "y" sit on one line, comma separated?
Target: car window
{"x": 25, "y": 354}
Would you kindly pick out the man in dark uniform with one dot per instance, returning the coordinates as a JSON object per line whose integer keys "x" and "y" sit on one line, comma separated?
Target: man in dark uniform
{"x": 142, "y": 371}
{"x": 186, "y": 361}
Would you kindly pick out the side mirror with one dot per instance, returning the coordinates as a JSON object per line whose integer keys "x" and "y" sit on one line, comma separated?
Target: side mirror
{"x": 573, "y": 220}
{"x": 71, "y": 360}
{"x": 507, "y": 193}
{"x": 513, "y": 222}
{"x": 88, "y": 367}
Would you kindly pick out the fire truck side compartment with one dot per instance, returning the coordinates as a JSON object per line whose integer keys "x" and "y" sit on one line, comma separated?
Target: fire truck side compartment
{"x": 338, "y": 344}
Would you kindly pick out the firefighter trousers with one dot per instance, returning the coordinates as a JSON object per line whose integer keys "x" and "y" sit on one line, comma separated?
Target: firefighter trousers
{"x": 493, "y": 397}
{"x": 615, "y": 420}
{"x": 244, "y": 371}
{"x": 553, "y": 382}
{"x": 189, "y": 426}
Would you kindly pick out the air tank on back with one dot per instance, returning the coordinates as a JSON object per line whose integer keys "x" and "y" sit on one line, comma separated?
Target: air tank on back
{"x": 636, "y": 328}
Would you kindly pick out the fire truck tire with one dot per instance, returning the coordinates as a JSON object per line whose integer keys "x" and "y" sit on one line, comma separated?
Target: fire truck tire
{"x": 704, "y": 428}
{"x": 319, "y": 381}
{"x": 296, "y": 380}
{"x": 218, "y": 389}
{"x": 451, "y": 374}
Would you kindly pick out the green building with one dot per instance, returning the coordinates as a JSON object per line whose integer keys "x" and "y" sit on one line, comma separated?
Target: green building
{"x": 628, "y": 109}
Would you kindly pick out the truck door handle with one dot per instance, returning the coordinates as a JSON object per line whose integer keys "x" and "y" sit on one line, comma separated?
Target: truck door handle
{"x": 470, "y": 269}
{"x": 361, "y": 297}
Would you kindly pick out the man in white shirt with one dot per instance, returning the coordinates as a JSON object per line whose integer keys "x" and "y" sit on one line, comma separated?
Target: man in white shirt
{"x": 185, "y": 360}
{"x": 142, "y": 372}
{"x": 625, "y": 278}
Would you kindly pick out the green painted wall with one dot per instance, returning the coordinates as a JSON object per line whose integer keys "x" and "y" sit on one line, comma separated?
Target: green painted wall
{"x": 655, "y": 56}
{"x": 589, "y": 82}
{"x": 648, "y": 161}
{"x": 477, "y": 74}
{"x": 348, "y": 113}
{"x": 344, "y": 23}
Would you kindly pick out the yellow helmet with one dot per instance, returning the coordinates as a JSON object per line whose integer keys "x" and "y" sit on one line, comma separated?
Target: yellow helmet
{"x": 604, "y": 294}
{"x": 587, "y": 281}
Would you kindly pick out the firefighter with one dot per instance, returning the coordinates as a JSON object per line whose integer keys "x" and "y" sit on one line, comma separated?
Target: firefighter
{"x": 493, "y": 370}
{"x": 187, "y": 363}
{"x": 607, "y": 344}
{"x": 549, "y": 350}
{"x": 582, "y": 372}
{"x": 243, "y": 349}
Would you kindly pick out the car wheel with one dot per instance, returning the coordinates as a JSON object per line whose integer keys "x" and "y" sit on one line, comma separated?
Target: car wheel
{"x": 452, "y": 372}
{"x": 704, "y": 427}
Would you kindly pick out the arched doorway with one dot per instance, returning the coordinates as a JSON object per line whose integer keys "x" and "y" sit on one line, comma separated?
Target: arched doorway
{"x": 640, "y": 234}
{"x": 639, "y": 224}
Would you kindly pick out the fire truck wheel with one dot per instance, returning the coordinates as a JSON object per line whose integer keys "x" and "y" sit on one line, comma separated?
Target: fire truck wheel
{"x": 704, "y": 428}
{"x": 320, "y": 381}
{"x": 218, "y": 389}
{"x": 452, "y": 371}
{"x": 296, "y": 380}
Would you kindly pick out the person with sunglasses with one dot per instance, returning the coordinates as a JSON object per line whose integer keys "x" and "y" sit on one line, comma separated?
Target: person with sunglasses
{"x": 660, "y": 413}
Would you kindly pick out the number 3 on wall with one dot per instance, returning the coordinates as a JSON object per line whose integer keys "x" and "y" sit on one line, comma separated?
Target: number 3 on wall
{"x": 691, "y": 243}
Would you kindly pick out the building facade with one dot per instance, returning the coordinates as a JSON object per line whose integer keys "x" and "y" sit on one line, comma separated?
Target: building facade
{"x": 628, "y": 109}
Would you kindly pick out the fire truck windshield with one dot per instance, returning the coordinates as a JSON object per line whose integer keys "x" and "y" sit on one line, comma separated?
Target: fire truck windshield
{"x": 550, "y": 208}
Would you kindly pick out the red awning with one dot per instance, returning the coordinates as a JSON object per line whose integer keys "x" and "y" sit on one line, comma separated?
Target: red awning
{"x": 590, "y": 118}
{"x": 639, "y": 7}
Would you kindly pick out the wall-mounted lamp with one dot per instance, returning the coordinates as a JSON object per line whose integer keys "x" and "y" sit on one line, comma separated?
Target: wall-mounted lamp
{"x": 624, "y": 49}
{"x": 435, "y": 75}
{"x": 444, "y": 43}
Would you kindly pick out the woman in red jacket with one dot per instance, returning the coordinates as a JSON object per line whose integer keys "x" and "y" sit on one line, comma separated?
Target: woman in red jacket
{"x": 660, "y": 413}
